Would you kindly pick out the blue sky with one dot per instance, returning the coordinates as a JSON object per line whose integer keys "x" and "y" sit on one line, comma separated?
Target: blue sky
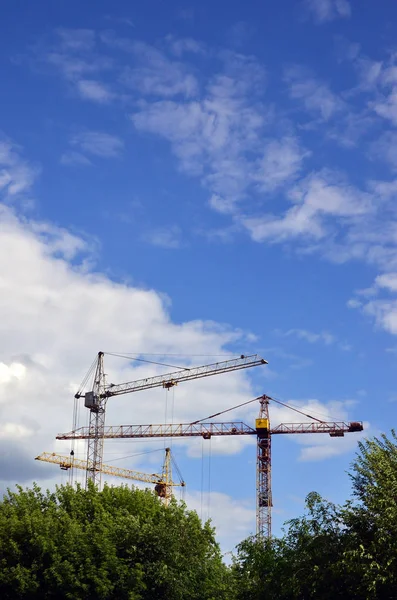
{"x": 200, "y": 180}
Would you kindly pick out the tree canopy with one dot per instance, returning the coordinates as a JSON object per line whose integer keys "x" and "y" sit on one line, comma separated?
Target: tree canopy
{"x": 123, "y": 543}
{"x": 333, "y": 552}
{"x": 118, "y": 543}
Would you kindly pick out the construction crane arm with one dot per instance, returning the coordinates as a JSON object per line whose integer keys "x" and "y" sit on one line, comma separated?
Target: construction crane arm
{"x": 170, "y": 379}
{"x": 335, "y": 429}
{"x": 68, "y": 462}
{"x": 205, "y": 430}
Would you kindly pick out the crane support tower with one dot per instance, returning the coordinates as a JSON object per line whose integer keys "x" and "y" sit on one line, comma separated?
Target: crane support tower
{"x": 96, "y": 398}
{"x": 163, "y": 482}
{"x": 262, "y": 430}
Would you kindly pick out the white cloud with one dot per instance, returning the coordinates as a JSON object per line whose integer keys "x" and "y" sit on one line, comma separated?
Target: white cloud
{"x": 315, "y": 95}
{"x": 387, "y": 281}
{"x": 74, "y": 55}
{"x": 94, "y": 90}
{"x": 321, "y": 200}
{"x": 14, "y": 431}
{"x": 384, "y": 313}
{"x": 223, "y": 446}
{"x": 385, "y": 148}
{"x": 311, "y": 337}
{"x": 387, "y": 107}
{"x": 370, "y": 72}
{"x": 152, "y": 72}
{"x": 181, "y": 46}
{"x": 75, "y": 158}
{"x": 282, "y": 161}
{"x": 382, "y": 308}
{"x": 328, "y": 10}
{"x": 49, "y": 301}
{"x": 16, "y": 174}
{"x": 76, "y": 39}
{"x": 9, "y": 372}
{"x": 167, "y": 237}
{"x": 234, "y": 519}
{"x": 98, "y": 143}
{"x": 217, "y": 137}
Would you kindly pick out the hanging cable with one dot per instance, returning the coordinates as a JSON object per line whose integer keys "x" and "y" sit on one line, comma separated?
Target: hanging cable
{"x": 293, "y": 406}
{"x": 151, "y": 362}
{"x": 90, "y": 371}
{"x": 225, "y": 411}
{"x": 296, "y": 410}
{"x": 209, "y": 478}
{"x": 254, "y": 400}
{"x": 166, "y": 413}
{"x": 202, "y": 477}
{"x": 172, "y": 411}
{"x": 131, "y": 354}
{"x": 137, "y": 454}
{"x": 175, "y": 466}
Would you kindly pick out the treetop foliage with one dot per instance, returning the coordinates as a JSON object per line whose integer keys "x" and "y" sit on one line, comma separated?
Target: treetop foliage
{"x": 123, "y": 543}
{"x": 118, "y": 543}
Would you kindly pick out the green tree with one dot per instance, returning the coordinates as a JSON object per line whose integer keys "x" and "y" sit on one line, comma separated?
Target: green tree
{"x": 118, "y": 543}
{"x": 372, "y": 518}
{"x": 333, "y": 552}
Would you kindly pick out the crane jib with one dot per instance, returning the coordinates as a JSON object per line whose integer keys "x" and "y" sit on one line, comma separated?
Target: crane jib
{"x": 171, "y": 379}
{"x": 207, "y": 430}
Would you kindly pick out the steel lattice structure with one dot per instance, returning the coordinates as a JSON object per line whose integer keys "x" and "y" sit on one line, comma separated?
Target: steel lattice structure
{"x": 262, "y": 430}
{"x": 95, "y": 399}
{"x": 163, "y": 482}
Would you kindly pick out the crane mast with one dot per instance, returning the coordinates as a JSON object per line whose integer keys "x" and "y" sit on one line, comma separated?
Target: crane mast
{"x": 95, "y": 400}
{"x": 263, "y": 470}
{"x": 262, "y": 430}
{"x": 97, "y": 424}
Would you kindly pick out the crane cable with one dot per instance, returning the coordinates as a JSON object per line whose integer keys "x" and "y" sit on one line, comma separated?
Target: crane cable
{"x": 296, "y": 410}
{"x": 86, "y": 378}
{"x": 209, "y": 478}
{"x": 225, "y": 411}
{"x": 202, "y": 478}
{"x": 254, "y": 400}
{"x": 151, "y": 362}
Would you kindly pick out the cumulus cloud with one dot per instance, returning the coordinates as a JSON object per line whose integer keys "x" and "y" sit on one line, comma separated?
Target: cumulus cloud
{"x": 57, "y": 315}
{"x": 234, "y": 519}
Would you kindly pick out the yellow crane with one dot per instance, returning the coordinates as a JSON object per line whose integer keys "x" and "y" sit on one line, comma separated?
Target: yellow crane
{"x": 163, "y": 482}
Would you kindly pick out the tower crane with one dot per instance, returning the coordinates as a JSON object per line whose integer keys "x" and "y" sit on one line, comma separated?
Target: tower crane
{"x": 262, "y": 430}
{"x": 163, "y": 482}
{"x": 96, "y": 398}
